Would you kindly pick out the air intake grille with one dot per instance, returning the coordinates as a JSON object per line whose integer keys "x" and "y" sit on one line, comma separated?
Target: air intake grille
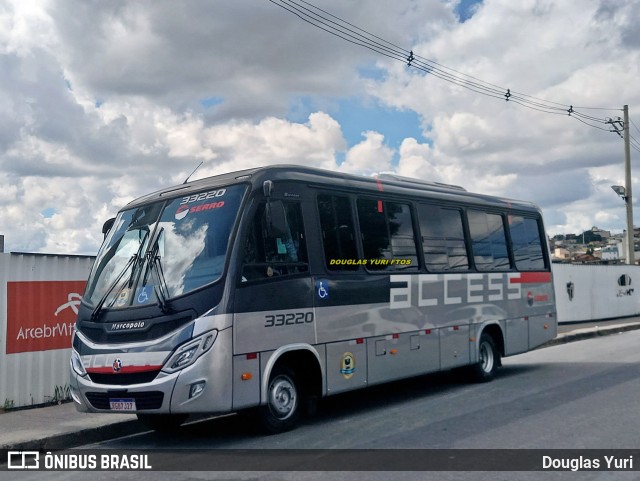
{"x": 144, "y": 400}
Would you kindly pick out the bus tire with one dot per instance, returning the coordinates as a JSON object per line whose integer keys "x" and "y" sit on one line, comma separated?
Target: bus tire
{"x": 282, "y": 409}
{"x": 162, "y": 422}
{"x": 488, "y": 360}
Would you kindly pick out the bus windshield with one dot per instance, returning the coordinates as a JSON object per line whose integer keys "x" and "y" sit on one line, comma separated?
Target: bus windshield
{"x": 165, "y": 249}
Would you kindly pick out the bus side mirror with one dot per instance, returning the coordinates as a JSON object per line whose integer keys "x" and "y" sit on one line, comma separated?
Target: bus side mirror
{"x": 106, "y": 227}
{"x": 274, "y": 215}
{"x": 267, "y": 188}
{"x": 277, "y": 220}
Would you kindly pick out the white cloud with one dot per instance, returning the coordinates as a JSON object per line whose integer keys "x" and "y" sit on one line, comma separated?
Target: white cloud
{"x": 24, "y": 26}
{"x": 369, "y": 156}
{"x": 417, "y": 161}
{"x": 244, "y": 144}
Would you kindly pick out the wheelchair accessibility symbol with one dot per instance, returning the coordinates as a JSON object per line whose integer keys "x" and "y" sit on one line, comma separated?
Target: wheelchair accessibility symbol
{"x": 322, "y": 288}
{"x": 144, "y": 294}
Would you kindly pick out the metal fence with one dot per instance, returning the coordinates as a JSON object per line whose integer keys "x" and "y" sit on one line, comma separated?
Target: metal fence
{"x": 39, "y": 295}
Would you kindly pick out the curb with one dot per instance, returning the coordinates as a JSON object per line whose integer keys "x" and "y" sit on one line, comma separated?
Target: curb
{"x": 78, "y": 438}
{"x": 590, "y": 334}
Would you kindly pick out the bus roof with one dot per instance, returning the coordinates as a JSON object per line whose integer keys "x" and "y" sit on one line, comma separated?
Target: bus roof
{"x": 320, "y": 178}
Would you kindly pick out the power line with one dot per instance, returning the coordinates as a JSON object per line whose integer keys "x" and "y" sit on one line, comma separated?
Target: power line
{"x": 349, "y": 32}
{"x": 634, "y": 143}
{"x": 617, "y": 126}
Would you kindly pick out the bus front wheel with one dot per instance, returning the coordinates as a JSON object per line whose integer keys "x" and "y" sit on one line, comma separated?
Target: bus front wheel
{"x": 282, "y": 410}
{"x": 488, "y": 360}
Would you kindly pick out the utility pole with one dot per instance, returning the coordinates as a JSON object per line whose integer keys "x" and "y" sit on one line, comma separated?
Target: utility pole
{"x": 627, "y": 187}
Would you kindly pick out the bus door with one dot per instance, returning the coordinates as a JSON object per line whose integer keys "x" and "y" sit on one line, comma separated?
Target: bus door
{"x": 273, "y": 303}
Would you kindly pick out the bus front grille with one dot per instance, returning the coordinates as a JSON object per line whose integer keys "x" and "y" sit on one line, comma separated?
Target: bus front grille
{"x": 144, "y": 400}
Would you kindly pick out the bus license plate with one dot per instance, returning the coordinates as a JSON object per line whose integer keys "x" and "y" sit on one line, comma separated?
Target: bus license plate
{"x": 122, "y": 404}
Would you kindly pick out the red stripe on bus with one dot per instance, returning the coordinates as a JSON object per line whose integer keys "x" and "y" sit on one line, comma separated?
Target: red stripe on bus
{"x": 123, "y": 369}
{"x": 531, "y": 278}
{"x": 379, "y": 182}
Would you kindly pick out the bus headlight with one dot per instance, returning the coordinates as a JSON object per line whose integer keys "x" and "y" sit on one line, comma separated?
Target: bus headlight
{"x": 188, "y": 353}
{"x": 76, "y": 364}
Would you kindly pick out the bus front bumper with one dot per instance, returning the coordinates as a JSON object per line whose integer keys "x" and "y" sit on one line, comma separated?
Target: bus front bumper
{"x": 202, "y": 387}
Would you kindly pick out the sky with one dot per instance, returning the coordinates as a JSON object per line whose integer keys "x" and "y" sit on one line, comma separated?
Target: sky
{"x": 102, "y": 102}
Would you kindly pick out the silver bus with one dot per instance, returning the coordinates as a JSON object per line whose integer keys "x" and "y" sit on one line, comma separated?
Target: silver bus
{"x": 267, "y": 289}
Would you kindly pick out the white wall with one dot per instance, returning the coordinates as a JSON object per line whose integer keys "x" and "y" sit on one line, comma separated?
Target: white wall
{"x": 597, "y": 291}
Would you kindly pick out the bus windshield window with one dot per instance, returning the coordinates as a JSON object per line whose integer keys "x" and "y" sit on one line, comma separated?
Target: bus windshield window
{"x": 187, "y": 237}
{"x": 121, "y": 253}
{"x": 195, "y": 236}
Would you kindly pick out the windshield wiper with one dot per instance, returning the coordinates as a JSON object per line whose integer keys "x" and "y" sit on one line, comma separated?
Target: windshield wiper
{"x": 98, "y": 308}
{"x": 161, "y": 289}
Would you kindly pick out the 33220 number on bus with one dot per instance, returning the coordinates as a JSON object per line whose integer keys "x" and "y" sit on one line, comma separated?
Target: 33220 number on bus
{"x": 289, "y": 319}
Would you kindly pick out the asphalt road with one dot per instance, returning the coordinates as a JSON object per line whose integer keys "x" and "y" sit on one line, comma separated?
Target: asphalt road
{"x": 582, "y": 395}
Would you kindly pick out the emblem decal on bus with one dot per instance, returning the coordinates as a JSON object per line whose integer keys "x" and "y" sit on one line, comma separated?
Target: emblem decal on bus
{"x": 117, "y": 365}
{"x": 183, "y": 210}
{"x": 125, "y": 326}
{"x": 123, "y": 297}
{"x": 348, "y": 365}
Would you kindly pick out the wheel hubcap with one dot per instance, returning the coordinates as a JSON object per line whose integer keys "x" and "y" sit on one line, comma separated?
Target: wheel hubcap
{"x": 282, "y": 397}
{"x": 486, "y": 357}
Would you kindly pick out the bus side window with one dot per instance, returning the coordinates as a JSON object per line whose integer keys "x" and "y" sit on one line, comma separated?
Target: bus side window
{"x": 338, "y": 238}
{"x": 527, "y": 244}
{"x": 442, "y": 238}
{"x": 388, "y": 239}
{"x": 489, "y": 242}
{"x": 277, "y": 248}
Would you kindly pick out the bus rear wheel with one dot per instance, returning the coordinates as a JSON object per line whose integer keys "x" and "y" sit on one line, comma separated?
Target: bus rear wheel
{"x": 488, "y": 360}
{"x": 282, "y": 410}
